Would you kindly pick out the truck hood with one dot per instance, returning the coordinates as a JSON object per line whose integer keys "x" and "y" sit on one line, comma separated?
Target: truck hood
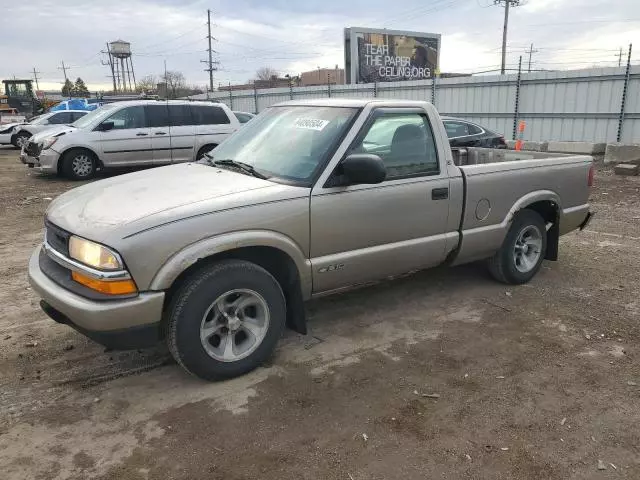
{"x": 56, "y": 131}
{"x": 127, "y": 204}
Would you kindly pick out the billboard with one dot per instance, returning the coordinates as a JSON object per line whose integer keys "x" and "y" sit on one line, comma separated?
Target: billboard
{"x": 380, "y": 55}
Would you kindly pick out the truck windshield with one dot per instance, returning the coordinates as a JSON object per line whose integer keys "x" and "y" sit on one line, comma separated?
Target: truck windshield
{"x": 288, "y": 143}
{"x": 96, "y": 115}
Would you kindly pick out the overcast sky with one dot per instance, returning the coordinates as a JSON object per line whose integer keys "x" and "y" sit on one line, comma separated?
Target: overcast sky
{"x": 294, "y": 36}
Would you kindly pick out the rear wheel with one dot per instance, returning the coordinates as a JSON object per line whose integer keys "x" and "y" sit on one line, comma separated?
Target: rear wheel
{"x": 79, "y": 164}
{"x": 523, "y": 250}
{"x": 225, "y": 320}
{"x": 21, "y": 139}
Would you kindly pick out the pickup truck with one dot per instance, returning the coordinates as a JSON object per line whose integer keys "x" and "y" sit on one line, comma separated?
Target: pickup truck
{"x": 312, "y": 197}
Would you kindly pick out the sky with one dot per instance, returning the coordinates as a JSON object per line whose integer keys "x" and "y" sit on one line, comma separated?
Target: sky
{"x": 295, "y": 36}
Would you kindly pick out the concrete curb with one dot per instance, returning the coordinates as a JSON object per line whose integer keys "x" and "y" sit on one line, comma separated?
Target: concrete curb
{"x": 622, "y": 153}
{"x": 587, "y": 148}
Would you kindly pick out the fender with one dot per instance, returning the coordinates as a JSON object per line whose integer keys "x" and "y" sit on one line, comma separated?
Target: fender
{"x": 482, "y": 242}
{"x": 207, "y": 247}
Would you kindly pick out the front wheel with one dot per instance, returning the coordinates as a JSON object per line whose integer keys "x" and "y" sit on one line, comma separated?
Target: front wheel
{"x": 79, "y": 164}
{"x": 523, "y": 250}
{"x": 225, "y": 320}
{"x": 21, "y": 139}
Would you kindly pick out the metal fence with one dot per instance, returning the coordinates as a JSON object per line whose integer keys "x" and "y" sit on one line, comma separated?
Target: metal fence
{"x": 596, "y": 105}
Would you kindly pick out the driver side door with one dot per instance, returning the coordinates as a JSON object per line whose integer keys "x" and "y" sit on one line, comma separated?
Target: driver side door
{"x": 362, "y": 233}
{"x": 128, "y": 142}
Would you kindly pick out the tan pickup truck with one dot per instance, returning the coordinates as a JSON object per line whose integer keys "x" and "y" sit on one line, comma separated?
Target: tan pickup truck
{"x": 309, "y": 198}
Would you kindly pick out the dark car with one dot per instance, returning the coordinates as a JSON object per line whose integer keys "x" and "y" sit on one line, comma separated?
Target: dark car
{"x": 462, "y": 133}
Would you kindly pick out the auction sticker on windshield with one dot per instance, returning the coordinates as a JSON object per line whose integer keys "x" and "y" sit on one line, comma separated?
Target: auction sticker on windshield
{"x": 310, "y": 123}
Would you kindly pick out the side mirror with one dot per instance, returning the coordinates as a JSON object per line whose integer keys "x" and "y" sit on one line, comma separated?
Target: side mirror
{"x": 105, "y": 126}
{"x": 363, "y": 168}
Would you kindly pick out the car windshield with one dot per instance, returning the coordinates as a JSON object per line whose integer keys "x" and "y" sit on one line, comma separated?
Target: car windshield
{"x": 96, "y": 115}
{"x": 290, "y": 143}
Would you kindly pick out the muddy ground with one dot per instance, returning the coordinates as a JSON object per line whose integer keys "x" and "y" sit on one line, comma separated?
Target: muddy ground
{"x": 533, "y": 382}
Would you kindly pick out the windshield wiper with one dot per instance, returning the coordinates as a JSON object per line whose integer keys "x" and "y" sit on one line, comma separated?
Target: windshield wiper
{"x": 245, "y": 167}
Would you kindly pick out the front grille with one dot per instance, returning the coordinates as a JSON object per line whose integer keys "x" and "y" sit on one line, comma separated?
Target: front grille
{"x": 33, "y": 149}
{"x": 57, "y": 238}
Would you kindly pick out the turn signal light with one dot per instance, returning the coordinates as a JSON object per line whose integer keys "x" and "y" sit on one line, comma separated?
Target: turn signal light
{"x": 592, "y": 171}
{"x": 113, "y": 287}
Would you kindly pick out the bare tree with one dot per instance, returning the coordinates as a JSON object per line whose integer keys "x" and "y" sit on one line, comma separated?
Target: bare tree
{"x": 266, "y": 73}
{"x": 147, "y": 83}
{"x": 174, "y": 82}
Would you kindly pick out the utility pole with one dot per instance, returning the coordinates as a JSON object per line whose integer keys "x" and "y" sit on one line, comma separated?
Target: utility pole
{"x": 64, "y": 70}
{"x": 531, "y": 52}
{"x": 35, "y": 77}
{"x": 507, "y": 5}
{"x": 210, "y": 62}
{"x": 110, "y": 63}
{"x": 620, "y": 57}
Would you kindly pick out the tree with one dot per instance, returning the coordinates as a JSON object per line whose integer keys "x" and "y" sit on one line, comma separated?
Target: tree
{"x": 147, "y": 83}
{"x": 266, "y": 73}
{"x": 174, "y": 82}
{"x": 67, "y": 88}
{"x": 80, "y": 89}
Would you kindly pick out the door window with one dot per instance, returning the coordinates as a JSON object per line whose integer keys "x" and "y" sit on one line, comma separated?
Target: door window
{"x": 456, "y": 129}
{"x": 129, "y": 117}
{"x": 180, "y": 115}
{"x": 76, "y": 115}
{"x": 209, "y": 115}
{"x": 404, "y": 142}
{"x": 157, "y": 115}
{"x": 60, "y": 118}
{"x": 474, "y": 129}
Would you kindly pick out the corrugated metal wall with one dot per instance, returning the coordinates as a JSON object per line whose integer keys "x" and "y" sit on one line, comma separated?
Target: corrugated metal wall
{"x": 578, "y": 105}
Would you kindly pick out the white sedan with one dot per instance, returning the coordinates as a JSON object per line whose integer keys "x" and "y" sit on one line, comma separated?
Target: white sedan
{"x": 20, "y": 133}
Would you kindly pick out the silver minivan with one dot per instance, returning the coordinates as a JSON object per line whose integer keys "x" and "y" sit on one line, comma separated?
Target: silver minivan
{"x": 132, "y": 133}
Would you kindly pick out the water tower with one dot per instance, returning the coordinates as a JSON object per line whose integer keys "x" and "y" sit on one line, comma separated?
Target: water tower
{"x": 121, "y": 66}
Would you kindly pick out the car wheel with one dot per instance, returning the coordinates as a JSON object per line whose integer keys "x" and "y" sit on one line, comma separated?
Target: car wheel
{"x": 523, "y": 250}
{"x": 203, "y": 150}
{"x": 79, "y": 164}
{"x": 21, "y": 139}
{"x": 225, "y": 320}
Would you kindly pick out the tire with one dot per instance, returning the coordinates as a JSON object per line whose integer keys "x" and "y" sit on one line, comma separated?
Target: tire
{"x": 522, "y": 251}
{"x": 197, "y": 331}
{"x": 203, "y": 150}
{"x": 20, "y": 139}
{"x": 79, "y": 164}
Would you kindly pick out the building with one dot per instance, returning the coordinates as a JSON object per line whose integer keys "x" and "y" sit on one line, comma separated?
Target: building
{"x": 273, "y": 82}
{"x": 322, "y": 76}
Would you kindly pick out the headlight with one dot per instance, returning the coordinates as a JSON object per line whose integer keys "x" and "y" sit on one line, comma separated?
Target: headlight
{"x": 48, "y": 142}
{"x": 94, "y": 254}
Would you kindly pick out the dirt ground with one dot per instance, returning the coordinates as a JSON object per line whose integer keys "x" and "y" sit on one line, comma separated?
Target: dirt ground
{"x": 443, "y": 374}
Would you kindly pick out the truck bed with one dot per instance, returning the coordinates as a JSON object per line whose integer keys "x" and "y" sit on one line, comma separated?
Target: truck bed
{"x": 497, "y": 183}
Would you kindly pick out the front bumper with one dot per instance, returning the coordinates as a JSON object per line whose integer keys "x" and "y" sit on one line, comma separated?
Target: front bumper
{"x": 45, "y": 162}
{"x": 118, "y": 324}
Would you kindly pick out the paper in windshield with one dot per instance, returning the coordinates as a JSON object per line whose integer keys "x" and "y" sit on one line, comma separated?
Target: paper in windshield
{"x": 310, "y": 123}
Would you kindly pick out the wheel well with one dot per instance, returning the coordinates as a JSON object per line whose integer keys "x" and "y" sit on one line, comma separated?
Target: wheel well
{"x": 206, "y": 148}
{"x": 273, "y": 260}
{"x": 62, "y": 155}
{"x": 550, "y": 213}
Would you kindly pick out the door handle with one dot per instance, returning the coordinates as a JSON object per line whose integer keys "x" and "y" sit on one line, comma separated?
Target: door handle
{"x": 161, "y": 133}
{"x": 141, "y": 134}
{"x": 440, "y": 193}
